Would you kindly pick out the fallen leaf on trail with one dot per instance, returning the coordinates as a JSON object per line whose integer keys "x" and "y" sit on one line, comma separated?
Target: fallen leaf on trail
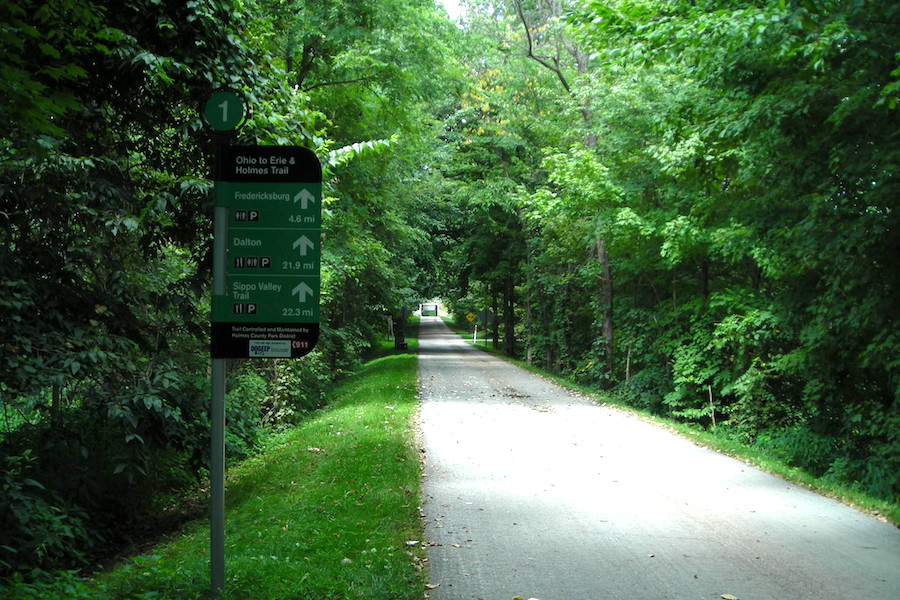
{"x": 432, "y": 586}
{"x": 456, "y": 545}
{"x": 729, "y": 597}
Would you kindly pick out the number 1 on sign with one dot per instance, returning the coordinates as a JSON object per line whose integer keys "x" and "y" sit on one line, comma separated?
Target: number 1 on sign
{"x": 224, "y": 111}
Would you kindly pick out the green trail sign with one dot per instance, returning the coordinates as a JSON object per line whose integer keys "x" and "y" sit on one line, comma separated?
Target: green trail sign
{"x": 269, "y": 307}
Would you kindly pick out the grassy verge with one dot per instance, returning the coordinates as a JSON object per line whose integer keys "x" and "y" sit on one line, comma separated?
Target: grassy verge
{"x": 327, "y": 510}
{"x": 847, "y": 494}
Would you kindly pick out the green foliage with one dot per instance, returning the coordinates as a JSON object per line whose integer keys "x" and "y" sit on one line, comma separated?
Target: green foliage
{"x": 87, "y": 477}
{"x": 300, "y": 389}
{"x": 106, "y": 232}
{"x": 755, "y": 179}
{"x": 39, "y": 527}
{"x": 272, "y": 395}
{"x": 696, "y": 202}
{"x": 65, "y": 586}
{"x": 798, "y": 446}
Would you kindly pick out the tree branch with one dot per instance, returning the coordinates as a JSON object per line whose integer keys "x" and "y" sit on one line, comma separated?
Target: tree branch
{"x": 554, "y": 64}
{"x": 544, "y": 61}
{"x": 347, "y": 81}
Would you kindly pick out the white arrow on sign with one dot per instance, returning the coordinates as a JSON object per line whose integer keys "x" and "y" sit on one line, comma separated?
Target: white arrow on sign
{"x": 304, "y": 198}
{"x": 302, "y": 291}
{"x": 304, "y": 243}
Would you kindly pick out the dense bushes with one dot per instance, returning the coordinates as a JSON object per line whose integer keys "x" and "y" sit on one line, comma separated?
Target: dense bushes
{"x": 86, "y": 475}
{"x": 95, "y": 478}
{"x": 40, "y": 529}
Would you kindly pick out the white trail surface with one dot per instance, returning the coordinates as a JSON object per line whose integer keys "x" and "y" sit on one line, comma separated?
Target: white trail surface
{"x": 533, "y": 491}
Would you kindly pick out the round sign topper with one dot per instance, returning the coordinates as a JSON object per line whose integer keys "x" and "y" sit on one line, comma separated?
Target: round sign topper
{"x": 225, "y": 111}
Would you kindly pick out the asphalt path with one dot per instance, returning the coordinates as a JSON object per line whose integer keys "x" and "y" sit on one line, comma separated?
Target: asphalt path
{"x": 533, "y": 491}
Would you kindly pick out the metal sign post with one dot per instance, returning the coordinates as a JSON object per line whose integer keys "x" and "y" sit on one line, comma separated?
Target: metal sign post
{"x": 217, "y": 425}
{"x": 266, "y": 273}
{"x": 224, "y": 112}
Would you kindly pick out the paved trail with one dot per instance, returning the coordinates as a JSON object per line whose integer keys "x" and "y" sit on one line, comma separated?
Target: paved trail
{"x": 532, "y": 491}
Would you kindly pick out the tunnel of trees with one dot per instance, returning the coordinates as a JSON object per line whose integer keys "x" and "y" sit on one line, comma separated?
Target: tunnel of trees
{"x": 690, "y": 204}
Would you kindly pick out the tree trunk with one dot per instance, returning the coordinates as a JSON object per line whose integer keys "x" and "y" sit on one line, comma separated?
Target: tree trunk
{"x": 529, "y": 325}
{"x": 606, "y": 308}
{"x": 704, "y": 278}
{"x": 548, "y": 339}
{"x": 554, "y": 60}
{"x": 628, "y": 365}
{"x": 495, "y": 340}
{"x": 509, "y": 318}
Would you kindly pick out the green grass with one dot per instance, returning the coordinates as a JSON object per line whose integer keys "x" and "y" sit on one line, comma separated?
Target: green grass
{"x": 879, "y": 507}
{"x": 326, "y": 510}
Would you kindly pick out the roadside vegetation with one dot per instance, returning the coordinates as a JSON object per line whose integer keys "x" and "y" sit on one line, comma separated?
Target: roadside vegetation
{"x": 326, "y": 510}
